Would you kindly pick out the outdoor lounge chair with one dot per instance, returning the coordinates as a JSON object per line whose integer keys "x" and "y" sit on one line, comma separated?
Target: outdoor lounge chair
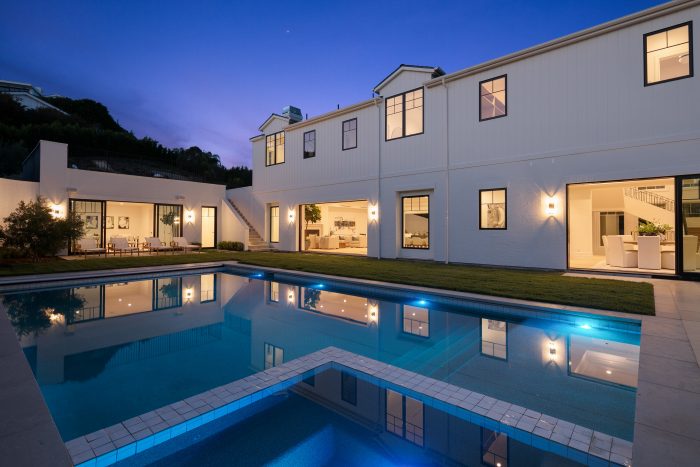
{"x": 121, "y": 245}
{"x": 155, "y": 244}
{"x": 89, "y": 245}
{"x": 182, "y": 244}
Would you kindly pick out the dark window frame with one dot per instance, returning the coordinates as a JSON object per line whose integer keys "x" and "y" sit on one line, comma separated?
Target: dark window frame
{"x": 304, "y": 151}
{"x": 403, "y": 223}
{"x": 342, "y": 134}
{"x": 412, "y": 334}
{"x": 345, "y": 379}
{"x": 274, "y": 137}
{"x": 403, "y": 115}
{"x": 505, "y": 224}
{"x": 505, "y": 89}
{"x": 404, "y": 422}
{"x": 690, "y": 53}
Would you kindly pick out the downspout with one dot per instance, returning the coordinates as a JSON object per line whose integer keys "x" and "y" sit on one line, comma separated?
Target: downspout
{"x": 447, "y": 172}
{"x": 379, "y": 177}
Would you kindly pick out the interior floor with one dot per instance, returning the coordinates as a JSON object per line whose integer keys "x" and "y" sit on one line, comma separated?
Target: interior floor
{"x": 341, "y": 251}
{"x": 598, "y": 263}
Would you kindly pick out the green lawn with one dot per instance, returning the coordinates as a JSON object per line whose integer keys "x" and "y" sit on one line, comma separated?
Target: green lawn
{"x": 112, "y": 262}
{"x": 552, "y": 287}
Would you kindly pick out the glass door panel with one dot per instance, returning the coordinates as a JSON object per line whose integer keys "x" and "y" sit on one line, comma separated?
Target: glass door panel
{"x": 208, "y": 227}
{"x": 690, "y": 225}
{"x": 92, "y": 213}
{"x": 167, "y": 222}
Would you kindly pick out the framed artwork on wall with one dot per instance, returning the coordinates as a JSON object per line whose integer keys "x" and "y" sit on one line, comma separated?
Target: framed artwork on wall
{"x": 91, "y": 222}
{"x": 123, "y": 223}
{"x": 109, "y": 222}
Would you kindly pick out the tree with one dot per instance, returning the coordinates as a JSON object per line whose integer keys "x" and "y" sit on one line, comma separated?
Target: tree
{"x": 312, "y": 214}
{"x": 31, "y": 313}
{"x": 32, "y": 229}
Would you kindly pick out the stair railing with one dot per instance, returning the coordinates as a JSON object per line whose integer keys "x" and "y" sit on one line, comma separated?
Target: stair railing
{"x": 651, "y": 198}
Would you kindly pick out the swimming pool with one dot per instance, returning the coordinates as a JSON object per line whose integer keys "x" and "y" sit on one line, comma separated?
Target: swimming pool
{"x": 105, "y": 352}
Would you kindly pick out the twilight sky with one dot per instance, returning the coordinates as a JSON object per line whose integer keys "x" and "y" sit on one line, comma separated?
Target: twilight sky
{"x": 208, "y": 73}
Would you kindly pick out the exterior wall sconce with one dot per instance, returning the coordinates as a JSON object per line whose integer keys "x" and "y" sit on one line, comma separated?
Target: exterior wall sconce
{"x": 551, "y": 207}
{"x": 189, "y": 293}
{"x": 291, "y": 215}
{"x": 57, "y": 211}
{"x": 189, "y": 217}
{"x": 373, "y": 313}
{"x": 552, "y": 352}
{"x": 290, "y": 296}
{"x": 373, "y": 213}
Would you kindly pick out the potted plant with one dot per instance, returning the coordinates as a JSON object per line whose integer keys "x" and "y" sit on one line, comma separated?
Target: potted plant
{"x": 312, "y": 214}
{"x": 653, "y": 229}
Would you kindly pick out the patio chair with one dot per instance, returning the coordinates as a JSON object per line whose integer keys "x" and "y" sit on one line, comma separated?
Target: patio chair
{"x": 619, "y": 257}
{"x": 155, "y": 244}
{"x": 649, "y": 252}
{"x": 182, "y": 244}
{"x": 121, "y": 245}
{"x": 89, "y": 245}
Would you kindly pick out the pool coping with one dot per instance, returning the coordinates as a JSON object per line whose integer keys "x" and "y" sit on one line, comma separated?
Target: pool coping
{"x": 125, "y": 439}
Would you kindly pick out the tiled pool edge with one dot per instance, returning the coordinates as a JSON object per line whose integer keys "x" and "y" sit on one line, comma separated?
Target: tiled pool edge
{"x": 125, "y": 439}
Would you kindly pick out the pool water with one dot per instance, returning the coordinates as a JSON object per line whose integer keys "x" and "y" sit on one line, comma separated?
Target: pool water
{"x": 312, "y": 424}
{"x": 106, "y": 352}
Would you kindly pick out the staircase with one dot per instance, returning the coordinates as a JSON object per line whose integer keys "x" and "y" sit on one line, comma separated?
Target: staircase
{"x": 255, "y": 241}
{"x": 650, "y": 206}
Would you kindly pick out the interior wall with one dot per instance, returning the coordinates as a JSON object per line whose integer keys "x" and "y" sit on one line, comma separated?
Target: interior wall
{"x": 580, "y": 222}
{"x": 140, "y": 219}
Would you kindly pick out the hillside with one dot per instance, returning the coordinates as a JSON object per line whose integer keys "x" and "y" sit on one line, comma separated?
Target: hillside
{"x": 94, "y": 136}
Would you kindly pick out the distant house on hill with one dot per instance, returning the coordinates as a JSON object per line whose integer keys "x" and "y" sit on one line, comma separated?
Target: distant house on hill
{"x": 31, "y": 97}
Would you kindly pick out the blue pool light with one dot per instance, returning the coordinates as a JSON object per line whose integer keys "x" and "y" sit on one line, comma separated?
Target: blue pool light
{"x": 422, "y": 302}
{"x": 258, "y": 274}
{"x": 585, "y": 326}
{"x": 320, "y": 286}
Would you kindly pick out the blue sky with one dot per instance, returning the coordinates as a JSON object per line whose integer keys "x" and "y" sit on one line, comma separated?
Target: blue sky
{"x": 209, "y": 73}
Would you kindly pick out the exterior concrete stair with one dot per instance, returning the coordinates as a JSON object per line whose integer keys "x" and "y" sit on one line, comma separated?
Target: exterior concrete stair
{"x": 255, "y": 241}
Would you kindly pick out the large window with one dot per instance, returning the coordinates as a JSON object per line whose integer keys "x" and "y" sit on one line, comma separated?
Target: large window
{"x": 668, "y": 54}
{"x": 274, "y": 224}
{"x": 404, "y": 417}
{"x": 492, "y": 98}
{"x": 348, "y": 388}
{"x": 273, "y": 356}
{"x": 492, "y": 209}
{"x": 310, "y": 144}
{"x": 404, "y": 114}
{"x": 416, "y": 320}
{"x": 494, "y": 448}
{"x": 168, "y": 224}
{"x": 350, "y": 134}
{"x": 494, "y": 338}
{"x": 274, "y": 145}
{"x": 416, "y": 221}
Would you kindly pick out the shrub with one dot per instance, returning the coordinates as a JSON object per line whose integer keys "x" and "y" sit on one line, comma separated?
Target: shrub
{"x": 32, "y": 230}
{"x": 233, "y": 246}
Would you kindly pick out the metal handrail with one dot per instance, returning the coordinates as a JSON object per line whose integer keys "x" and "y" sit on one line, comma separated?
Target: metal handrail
{"x": 651, "y": 198}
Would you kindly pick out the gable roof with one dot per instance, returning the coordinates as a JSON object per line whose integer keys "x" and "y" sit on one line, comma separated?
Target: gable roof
{"x": 269, "y": 120}
{"x": 435, "y": 71}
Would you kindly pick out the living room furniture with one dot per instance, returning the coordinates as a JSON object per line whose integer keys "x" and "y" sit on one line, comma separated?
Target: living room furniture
{"x": 330, "y": 242}
{"x": 620, "y": 257}
{"x": 649, "y": 252}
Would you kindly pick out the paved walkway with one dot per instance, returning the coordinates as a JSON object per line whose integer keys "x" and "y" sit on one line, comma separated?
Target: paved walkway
{"x": 667, "y": 419}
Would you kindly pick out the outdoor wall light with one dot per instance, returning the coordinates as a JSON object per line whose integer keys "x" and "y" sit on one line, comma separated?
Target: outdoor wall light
{"x": 189, "y": 217}
{"x": 290, "y": 296}
{"x": 291, "y": 215}
{"x": 57, "y": 211}
{"x": 189, "y": 293}
{"x": 552, "y": 351}
{"x": 551, "y": 207}
{"x": 373, "y": 213}
{"x": 373, "y": 313}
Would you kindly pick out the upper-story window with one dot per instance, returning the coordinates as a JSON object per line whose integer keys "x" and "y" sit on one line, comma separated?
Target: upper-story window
{"x": 668, "y": 54}
{"x": 274, "y": 152}
{"x": 404, "y": 114}
{"x": 492, "y": 98}
{"x": 310, "y": 144}
{"x": 350, "y": 134}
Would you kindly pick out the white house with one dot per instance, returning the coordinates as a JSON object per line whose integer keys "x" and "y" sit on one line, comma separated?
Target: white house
{"x": 119, "y": 205}
{"x": 559, "y": 156}
{"x": 31, "y": 97}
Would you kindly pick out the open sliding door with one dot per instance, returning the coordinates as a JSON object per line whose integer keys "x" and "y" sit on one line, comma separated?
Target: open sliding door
{"x": 167, "y": 222}
{"x": 92, "y": 213}
{"x": 688, "y": 235}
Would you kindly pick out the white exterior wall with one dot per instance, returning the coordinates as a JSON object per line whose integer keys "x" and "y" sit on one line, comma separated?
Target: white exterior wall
{"x": 59, "y": 183}
{"x": 576, "y": 113}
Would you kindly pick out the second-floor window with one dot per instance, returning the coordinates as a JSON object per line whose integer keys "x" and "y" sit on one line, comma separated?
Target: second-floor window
{"x": 274, "y": 149}
{"x": 404, "y": 114}
{"x": 310, "y": 144}
{"x": 492, "y": 98}
{"x": 350, "y": 134}
{"x": 668, "y": 54}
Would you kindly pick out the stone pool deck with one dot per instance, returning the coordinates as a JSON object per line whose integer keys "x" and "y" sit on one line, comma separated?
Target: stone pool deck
{"x": 667, "y": 425}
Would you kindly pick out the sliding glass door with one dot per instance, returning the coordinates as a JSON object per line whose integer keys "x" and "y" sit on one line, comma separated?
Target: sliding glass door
{"x": 208, "y": 227}
{"x": 93, "y": 214}
{"x": 689, "y": 232}
{"x": 168, "y": 222}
